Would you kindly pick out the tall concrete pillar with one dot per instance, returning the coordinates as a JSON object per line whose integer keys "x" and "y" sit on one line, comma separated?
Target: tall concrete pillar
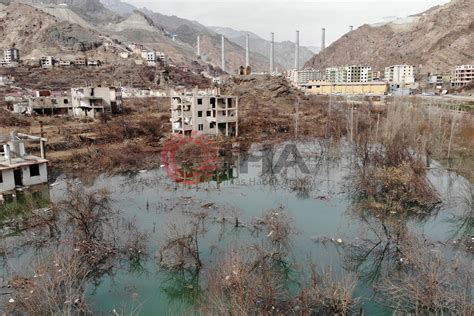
{"x": 272, "y": 52}
{"x": 223, "y": 53}
{"x": 247, "y": 50}
{"x": 297, "y": 50}
{"x": 323, "y": 39}
{"x": 199, "y": 45}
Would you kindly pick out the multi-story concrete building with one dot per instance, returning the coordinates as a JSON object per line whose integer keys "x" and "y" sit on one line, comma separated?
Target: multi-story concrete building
{"x": 336, "y": 74}
{"x": 359, "y": 74}
{"x": 80, "y": 61}
{"x": 400, "y": 74}
{"x": 137, "y": 49}
{"x": 303, "y": 76}
{"x": 50, "y": 103}
{"x": 204, "y": 112}
{"x": 349, "y": 74}
{"x": 462, "y": 76}
{"x": 17, "y": 167}
{"x": 46, "y": 61}
{"x": 91, "y": 101}
{"x": 11, "y": 57}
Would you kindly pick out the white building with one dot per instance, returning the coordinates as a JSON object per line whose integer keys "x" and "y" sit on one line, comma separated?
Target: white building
{"x": 46, "y": 61}
{"x": 91, "y": 101}
{"x": 124, "y": 55}
{"x": 205, "y": 112}
{"x": 303, "y": 76}
{"x": 336, "y": 74}
{"x": 150, "y": 56}
{"x": 17, "y": 167}
{"x": 462, "y": 76}
{"x": 349, "y": 74}
{"x": 400, "y": 74}
{"x": 359, "y": 74}
{"x": 11, "y": 57}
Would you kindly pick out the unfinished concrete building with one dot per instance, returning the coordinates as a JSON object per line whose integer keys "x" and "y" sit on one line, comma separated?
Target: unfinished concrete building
{"x": 204, "y": 112}
{"x": 17, "y": 167}
{"x": 92, "y": 101}
{"x": 53, "y": 103}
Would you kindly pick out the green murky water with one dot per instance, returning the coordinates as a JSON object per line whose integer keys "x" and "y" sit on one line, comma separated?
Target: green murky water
{"x": 318, "y": 203}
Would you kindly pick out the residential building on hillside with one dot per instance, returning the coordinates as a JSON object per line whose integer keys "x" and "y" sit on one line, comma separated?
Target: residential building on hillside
{"x": 205, "y": 112}
{"x": 400, "y": 74}
{"x": 359, "y": 74}
{"x": 303, "y": 76}
{"x": 336, "y": 74}
{"x": 19, "y": 168}
{"x": 136, "y": 48}
{"x": 11, "y": 57}
{"x": 46, "y": 61}
{"x": 462, "y": 76}
{"x": 91, "y": 101}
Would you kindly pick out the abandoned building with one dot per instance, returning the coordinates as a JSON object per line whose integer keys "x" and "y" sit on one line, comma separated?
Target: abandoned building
{"x": 91, "y": 101}
{"x": 204, "y": 112}
{"x": 17, "y": 167}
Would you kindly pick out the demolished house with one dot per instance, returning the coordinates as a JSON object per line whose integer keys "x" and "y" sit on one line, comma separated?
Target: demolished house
{"x": 205, "y": 112}
{"x": 92, "y": 101}
{"x": 17, "y": 167}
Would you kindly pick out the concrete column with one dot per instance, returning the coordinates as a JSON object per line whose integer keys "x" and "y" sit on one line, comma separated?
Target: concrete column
{"x": 297, "y": 50}
{"x": 247, "y": 50}
{"x": 199, "y": 45}
{"x": 222, "y": 53}
{"x": 8, "y": 155}
{"x": 323, "y": 39}
{"x": 272, "y": 53}
{"x": 42, "y": 149}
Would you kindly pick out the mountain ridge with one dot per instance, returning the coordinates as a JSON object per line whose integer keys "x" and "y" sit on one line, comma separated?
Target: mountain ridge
{"x": 436, "y": 39}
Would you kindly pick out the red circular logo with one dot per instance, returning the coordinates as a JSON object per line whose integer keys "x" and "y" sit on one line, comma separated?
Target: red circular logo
{"x": 190, "y": 159}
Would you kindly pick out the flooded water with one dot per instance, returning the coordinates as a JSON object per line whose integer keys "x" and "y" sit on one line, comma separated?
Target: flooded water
{"x": 318, "y": 203}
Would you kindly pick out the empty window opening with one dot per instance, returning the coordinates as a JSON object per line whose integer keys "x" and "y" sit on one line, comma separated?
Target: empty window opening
{"x": 34, "y": 171}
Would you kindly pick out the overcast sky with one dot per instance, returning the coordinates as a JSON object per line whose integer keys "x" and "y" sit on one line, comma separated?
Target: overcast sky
{"x": 284, "y": 17}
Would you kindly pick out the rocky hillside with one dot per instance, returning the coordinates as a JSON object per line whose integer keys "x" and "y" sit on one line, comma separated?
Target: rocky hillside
{"x": 93, "y": 11}
{"x": 284, "y": 51}
{"x": 437, "y": 40}
{"x": 37, "y": 33}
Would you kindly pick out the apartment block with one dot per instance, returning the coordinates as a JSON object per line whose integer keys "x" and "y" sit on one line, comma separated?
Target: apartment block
{"x": 46, "y": 61}
{"x": 11, "y": 57}
{"x": 205, "y": 112}
{"x": 400, "y": 74}
{"x": 303, "y": 76}
{"x": 19, "y": 168}
{"x": 462, "y": 76}
{"x": 92, "y": 101}
{"x": 359, "y": 74}
{"x": 336, "y": 74}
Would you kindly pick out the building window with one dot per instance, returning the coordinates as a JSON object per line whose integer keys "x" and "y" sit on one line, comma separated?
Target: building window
{"x": 1, "y": 177}
{"x": 199, "y": 113}
{"x": 66, "y": 101}
{"x": 208, "y": 113}
{"x": 199, "y": 101}
{"x": 34, "y": 170}
{"x": 200, "y": 127}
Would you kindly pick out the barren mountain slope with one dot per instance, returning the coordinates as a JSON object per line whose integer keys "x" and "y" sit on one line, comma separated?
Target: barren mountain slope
{"x": 438, "y": 39}
{"x": 37, "y": 33}
{"x": 187, "y": 32}
{"x": 90, "y": 10}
